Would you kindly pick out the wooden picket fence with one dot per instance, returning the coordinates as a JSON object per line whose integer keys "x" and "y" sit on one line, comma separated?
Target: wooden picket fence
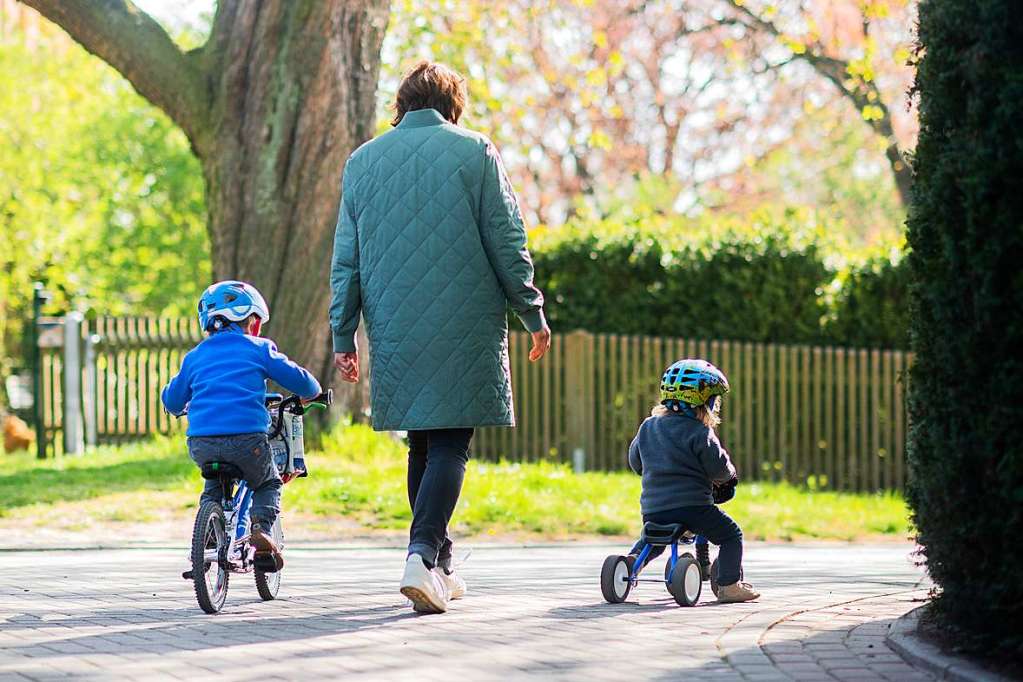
{"x": 833, "y": 418}
{"x": 133, "y": 358}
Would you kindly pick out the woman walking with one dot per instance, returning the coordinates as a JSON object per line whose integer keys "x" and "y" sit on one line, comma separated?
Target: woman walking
{"x": 430, "y": 250}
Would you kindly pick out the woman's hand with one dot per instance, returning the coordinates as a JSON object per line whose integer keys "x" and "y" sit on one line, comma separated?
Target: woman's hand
{"x": 347, "y": 365}
{"x": 541, "y": 343}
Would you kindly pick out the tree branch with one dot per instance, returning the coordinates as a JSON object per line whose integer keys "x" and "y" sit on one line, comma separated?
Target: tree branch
{"x": 862, "y": 94}
{"x": 132, "y": 42}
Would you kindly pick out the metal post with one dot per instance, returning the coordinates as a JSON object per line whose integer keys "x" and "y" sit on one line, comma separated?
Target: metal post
{"x": 578, "y": 460}
{"x": 73, "y": 436}
{"x": 39, "y": 297}
{"x": 575, "y": 406}
{"x": 89, "y": 390}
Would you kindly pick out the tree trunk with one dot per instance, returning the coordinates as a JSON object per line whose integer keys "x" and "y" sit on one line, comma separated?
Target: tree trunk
{"x": 294, "y": 95}
{"x": 273, "y": 104}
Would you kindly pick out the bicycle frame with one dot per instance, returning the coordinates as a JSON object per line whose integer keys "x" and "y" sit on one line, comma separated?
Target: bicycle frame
{"x": 236, "y": 513}
{"x": 645, "y": 552}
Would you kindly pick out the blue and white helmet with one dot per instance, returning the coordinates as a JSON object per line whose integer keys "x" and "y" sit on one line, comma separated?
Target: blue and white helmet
{"x": 233, "y": 301}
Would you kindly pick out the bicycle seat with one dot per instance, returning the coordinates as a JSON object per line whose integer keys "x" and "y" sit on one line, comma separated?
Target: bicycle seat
{"x": 662, "y": 534}
{"x": 220, "y": 470}
{"x": 272, "y": 398}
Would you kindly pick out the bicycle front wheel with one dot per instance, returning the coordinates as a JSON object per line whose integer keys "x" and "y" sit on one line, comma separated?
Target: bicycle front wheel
{"x": 268, "y": 584}
{"x": 209, "y": 547}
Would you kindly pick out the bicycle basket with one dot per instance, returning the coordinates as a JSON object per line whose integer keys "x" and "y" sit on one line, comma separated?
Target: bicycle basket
{"x": 288, "y": 447}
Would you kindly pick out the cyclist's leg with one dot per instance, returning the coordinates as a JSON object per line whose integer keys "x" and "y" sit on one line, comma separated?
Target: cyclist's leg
{"x": 203, "y": 450}
{"x": 719, "y": 528}
{"x": 252, "y": 454}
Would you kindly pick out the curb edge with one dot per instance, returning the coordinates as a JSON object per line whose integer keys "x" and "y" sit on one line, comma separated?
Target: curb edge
{"x": 903, "y": 639}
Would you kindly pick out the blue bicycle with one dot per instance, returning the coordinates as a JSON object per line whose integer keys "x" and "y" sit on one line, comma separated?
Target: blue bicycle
{"x": 220, "y": 536}
{"x": 683, "y": 574}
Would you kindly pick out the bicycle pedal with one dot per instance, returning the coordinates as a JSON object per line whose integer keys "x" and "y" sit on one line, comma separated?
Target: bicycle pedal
{"x": 187, "y": 575}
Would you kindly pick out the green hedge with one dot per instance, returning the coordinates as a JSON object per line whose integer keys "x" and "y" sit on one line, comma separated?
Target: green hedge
{"x": 872, "y": 306}
{"x": 748, "y": 287}
{"x": 966, "y": 239}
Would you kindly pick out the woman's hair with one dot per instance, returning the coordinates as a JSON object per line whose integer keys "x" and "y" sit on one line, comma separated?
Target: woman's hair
{"x": 431, "y": 85}
{"x": 709, "y": 417}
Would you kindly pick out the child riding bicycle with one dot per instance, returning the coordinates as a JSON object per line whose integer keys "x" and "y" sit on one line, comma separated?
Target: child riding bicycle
{"x": 222, "y": 382}
{"x": 686, "y": 470}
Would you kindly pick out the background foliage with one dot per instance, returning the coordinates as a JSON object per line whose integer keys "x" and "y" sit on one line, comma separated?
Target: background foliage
{"x": 100, "y": 196}
{"x": 746, "y": 102}
{"x": 357, "y": 485}
{"x": 768, "y": 276}
{"x": 966, "y": 401}
{"x": 770, "y": 216}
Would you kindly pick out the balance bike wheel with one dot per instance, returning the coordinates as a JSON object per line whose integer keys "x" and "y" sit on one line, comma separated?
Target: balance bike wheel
{"x": 209, "y": 541}
{"x": 686, "y": 581}
{"x": 268, "y": 583}
{"x": 667, "y": 570}
{"x": 614, "y": 579}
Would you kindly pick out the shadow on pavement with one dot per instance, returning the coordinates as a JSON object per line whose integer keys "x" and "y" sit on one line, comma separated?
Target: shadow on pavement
{"x": 188, "y": 629}
{"x": 839, "y": 654}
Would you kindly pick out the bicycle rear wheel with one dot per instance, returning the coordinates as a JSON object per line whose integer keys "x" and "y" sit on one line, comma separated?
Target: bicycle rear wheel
{"x": 209, "y": 544}
{"x": 268, "y": 584}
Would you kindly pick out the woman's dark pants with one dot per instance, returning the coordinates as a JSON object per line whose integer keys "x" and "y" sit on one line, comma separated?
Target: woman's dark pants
{"x": 710, "y": 522}
{"x": 436, "y": 467}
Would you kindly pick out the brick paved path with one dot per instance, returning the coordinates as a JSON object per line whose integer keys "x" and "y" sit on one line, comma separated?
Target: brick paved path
{"x": 529, "y": 612}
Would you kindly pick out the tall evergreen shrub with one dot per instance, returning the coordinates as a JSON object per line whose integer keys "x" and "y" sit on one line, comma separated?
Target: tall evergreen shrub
{"x": 966, "y": 263}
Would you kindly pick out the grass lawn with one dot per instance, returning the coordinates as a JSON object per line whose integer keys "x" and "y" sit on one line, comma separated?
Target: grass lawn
{"x": 357, "y": 487}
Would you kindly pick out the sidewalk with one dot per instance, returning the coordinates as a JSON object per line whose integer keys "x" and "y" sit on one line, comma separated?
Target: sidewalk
{"x": 535, "y": 611}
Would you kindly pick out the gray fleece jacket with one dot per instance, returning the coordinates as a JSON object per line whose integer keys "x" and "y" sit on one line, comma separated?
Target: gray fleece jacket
{"x": 679, "y": 458}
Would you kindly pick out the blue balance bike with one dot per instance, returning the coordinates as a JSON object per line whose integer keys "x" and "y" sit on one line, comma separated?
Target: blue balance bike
{"x": 220, "y": 536}
{"x": 683, "y": 576}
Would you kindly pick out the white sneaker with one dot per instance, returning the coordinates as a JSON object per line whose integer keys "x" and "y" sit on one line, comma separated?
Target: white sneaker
{"x": 454, "y": 583}
{"x": 423, "y": 587}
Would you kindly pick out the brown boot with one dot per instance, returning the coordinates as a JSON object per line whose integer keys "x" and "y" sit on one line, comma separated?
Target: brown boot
{"x": 265, "y": 546}
{"x": 736, "y": 592}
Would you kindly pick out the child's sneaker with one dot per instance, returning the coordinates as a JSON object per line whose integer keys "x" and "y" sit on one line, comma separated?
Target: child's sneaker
{"x": 453, "y": 583}
{"x": 265, "y": 546}
{"x": 736, "y": 592}
{"x": 423, "y": 587}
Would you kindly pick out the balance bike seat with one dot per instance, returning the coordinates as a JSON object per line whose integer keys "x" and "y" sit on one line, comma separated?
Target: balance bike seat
{"x": 658, "y": 534}
{"x": 213, "y": 471}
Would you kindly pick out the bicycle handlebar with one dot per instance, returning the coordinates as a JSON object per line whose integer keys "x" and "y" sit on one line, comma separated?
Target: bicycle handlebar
{"x": 294, "y": 404}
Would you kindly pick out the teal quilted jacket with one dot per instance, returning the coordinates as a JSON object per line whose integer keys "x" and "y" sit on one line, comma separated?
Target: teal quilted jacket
{"x": 431, "y": 251}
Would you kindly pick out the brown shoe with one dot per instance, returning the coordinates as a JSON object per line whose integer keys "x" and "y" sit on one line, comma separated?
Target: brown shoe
{"x": 266, "y": 548}
{"x": 736, "y": 592}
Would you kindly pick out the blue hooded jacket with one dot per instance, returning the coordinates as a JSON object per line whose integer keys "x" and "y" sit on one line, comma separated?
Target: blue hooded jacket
{"x": 223, "y": 382}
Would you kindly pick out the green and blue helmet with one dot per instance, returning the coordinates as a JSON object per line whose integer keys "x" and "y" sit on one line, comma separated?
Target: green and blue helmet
{"x": 691, "y": 382}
